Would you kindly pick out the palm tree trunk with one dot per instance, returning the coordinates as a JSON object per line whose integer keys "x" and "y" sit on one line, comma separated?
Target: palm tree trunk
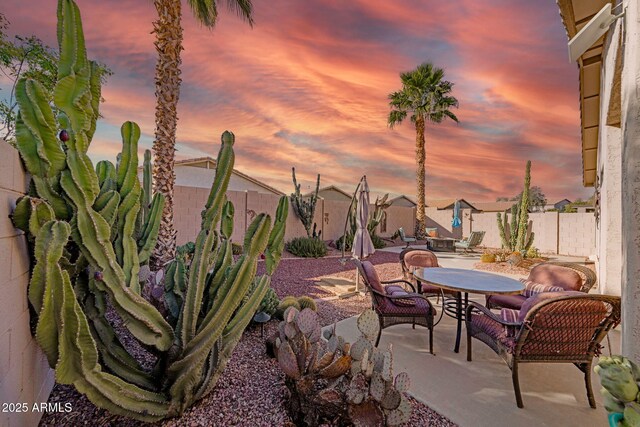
{"x": 168, "y": 44}
{"x": 421, "y": 219}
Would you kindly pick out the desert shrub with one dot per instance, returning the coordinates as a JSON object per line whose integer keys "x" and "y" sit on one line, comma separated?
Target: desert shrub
{"x": 533, "y": 252}
{"x": 378, "y": 242}
{"x": 502, "y": 254}
{"x": 307, "y": 302}
{"x": 307, "y": 247}
{"x": 341, "y": 241}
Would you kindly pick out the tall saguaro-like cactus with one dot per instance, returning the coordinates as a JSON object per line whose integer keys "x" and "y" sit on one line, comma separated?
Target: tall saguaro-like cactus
{"x": 518, "y": 236}
{"x": 90, "y": 233}
{"x": 304, "y": 208}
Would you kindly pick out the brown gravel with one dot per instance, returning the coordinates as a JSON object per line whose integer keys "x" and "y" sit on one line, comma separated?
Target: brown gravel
{"x": 501, "y": 267}
{"x": 251, "y": 390}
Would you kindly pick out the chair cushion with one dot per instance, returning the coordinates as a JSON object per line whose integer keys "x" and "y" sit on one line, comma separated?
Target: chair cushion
{"x": 556, "y": 275}
{"x": 532, "y": 288}
{"x": 372, "y": 276}
{"x": 408, "y": 302}
{"x": 510, "y": 315}
{"x": 507, "y": 301}
{"x": 420, "y": 258}
{"x": 389, "y": 289}
{"x": 494, "y": 329}
{"x": 420, "y": 308}
{"x": 538, "y": 298}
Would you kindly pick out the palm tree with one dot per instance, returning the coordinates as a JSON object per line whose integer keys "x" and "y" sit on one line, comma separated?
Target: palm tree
{"x": 427, "y": 97}
{"x": 168, "y": 31}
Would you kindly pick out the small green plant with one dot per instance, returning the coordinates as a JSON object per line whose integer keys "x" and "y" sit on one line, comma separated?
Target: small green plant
{"x": 307, "y": 247}
{"x": 378, "y": 242}
{"x": 307, "y": 302}
{"x": 533, "y": 252}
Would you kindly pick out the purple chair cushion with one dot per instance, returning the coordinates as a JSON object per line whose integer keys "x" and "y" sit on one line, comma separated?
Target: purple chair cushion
{"x": 532, "y": 288}
{"x": 408, "y": 302}
{"x": 556, "y": 275}
{"x": 530, "y": 302}
{"x": 507, "y": 301}
{"x": 372, "y": 276}
{"x": 510, "y": 315}
{"x": 419, "y": 308}
{"x": 389, "y": 289}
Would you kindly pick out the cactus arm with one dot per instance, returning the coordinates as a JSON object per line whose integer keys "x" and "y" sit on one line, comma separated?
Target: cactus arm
{"x": 524, "y": 210}
{"x": 141, "y": 318}
{"x": 106, "y": 172}
{"x": 501, "y": 229}
{"x": 226, "y": 223}
{"x": 46, "y": 191}
{"x": 217, "y": 195}
{"x": 149, "y": 236}
{"x": 36, "y": 131}
{"x": 231, "y": 336}
{"x": 215, "y": 279}
{"x": 95, "y": 88}
{"x": 108, "y": 207}
{"x": 275, "y": 245}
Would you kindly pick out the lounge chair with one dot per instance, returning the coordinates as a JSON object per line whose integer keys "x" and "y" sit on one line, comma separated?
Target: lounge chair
{"x": 565, "y": 327}
{"x": 468, "y": 244}
{"x": 394, "y": 305}
{"x": 562, "y": 274}
{"x": 404, "y": 238}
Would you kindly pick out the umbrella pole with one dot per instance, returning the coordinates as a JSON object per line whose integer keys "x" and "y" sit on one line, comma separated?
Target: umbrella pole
{"x": 357, "y": 280}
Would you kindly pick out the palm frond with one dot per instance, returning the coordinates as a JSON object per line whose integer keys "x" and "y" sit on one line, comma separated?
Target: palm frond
{"x": 206, "y": 11}
{"x": 396, "y": 117}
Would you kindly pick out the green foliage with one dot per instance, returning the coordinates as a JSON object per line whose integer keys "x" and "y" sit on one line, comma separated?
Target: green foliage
{"x": 375, "y": 217}
{"x": 537, "y": 199}
{"x": 27, "y": 57}
{"x": 90, "y": 233}
{"x": 533, "y": 252}
{"x": 518, "y": 236}
{"x": 236, "y": 248}
{"x": 620, "y": 379}
{"x": 488, "y": 257}
{"x": 348, "y": 384}
{"x": 378, "y": 242}
{"x": 270, "y": 302}
{"x": 307, "y": 302}
{"x": 307, "y": 247}
{"x": 304, "y": 208}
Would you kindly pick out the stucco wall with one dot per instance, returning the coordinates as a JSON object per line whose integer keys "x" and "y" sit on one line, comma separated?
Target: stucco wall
{"x": 566, "y": 234}
{"x": 25, "y": 376}
{"x": 330, "y": 215}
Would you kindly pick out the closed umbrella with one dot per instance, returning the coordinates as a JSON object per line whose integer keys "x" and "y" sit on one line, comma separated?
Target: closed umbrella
{"x": 455, "y": 223}
{"x": 362, "y": 245}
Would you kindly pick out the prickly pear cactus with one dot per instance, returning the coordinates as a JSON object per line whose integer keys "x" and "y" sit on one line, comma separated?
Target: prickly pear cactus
{"x": 620, "y": 379}
{"x": 338, "y": 381}
{"x": 91, "y": 229}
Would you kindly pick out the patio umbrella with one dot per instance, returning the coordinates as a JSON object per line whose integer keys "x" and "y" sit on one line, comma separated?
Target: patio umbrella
{"x": 455, "y": 223}
{"x": 362, "y": 245}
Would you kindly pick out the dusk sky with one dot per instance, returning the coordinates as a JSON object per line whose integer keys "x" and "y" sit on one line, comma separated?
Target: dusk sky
{"x": 308, "y": 86}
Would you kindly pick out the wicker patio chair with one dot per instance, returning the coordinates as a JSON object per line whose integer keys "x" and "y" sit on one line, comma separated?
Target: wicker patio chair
{"x": 551, "y": 327}
{"x": 394, "y": 305}
{"x": 412, "y": 259}
{"x": 567, "y": 275}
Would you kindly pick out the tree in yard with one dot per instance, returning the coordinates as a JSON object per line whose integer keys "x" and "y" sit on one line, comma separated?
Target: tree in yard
{"x": 26, "y": 57}
{"x": 427, "y": 96}
{"x": 168, "y": 43}
{"x": 537, "y": 199}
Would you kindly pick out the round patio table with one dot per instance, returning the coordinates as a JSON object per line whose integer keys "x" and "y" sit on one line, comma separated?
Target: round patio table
{"x": 461, "y": 281}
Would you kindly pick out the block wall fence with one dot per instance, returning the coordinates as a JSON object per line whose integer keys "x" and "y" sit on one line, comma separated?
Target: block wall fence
{"x": 25, "y": 376}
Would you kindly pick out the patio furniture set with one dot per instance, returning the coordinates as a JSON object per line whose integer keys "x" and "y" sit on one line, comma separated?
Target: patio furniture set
{"x": 446, "y": 244}
{"x": 549, "y": 317}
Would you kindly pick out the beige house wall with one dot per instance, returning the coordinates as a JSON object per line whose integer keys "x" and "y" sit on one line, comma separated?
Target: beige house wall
{"x": 25, "y": 375}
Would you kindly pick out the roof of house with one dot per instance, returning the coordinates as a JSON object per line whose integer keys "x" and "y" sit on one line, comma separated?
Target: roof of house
{"x": 400, "y": 197}
{"x": 563, "y": 200}
{"x": 575, "y": 14}
{"x": 210, "y": 163}
{"x": 449, "y": 203}
{"x": 493, "y": 206}
{"x": 331, "y": 188}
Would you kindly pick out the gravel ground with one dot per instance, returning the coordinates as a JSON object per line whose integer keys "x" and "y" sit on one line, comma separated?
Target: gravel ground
{"x": 251, "y": 390}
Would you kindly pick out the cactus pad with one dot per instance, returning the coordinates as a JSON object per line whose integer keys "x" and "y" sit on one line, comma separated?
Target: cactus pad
{"x": 402, "y": 382}
{"x": 369, "y": 324}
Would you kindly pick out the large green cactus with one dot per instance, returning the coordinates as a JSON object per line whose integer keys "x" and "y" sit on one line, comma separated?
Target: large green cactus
{"x": 517, "y": 236}
{"x": 304, "y": 208}
{"x": 91, "y": 229}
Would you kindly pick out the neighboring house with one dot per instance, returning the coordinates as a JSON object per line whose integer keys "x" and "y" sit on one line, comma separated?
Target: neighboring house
{"x": 609, "y": 72}
{"x": 446, "y": 204}
{"x": 402, "y": 200}
{"x": 332, "y": 192}
{"x": 199, "y": 173}
{"x": 559, "y": 206}
{"x": 493, "y": 206}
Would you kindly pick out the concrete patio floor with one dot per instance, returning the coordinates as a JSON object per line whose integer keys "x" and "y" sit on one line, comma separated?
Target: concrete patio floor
{"x": 480, "y": 393}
